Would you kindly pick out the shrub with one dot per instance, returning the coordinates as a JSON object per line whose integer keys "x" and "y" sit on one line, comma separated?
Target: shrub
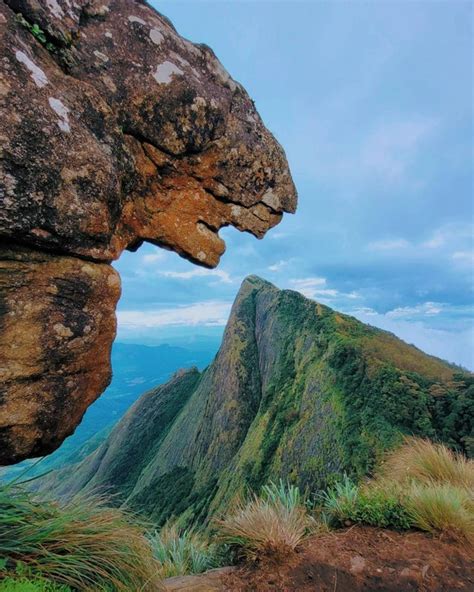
{"x": 442, "y": 508}
{"x": 82, "y": 543}
{"x": 27, "y": 585}
{"x": 425, "y": 462}
{"x": 274, "y": 524}
{"x": 378, "y": 507}
{"x": 367, "y": 505}
{"x": 182, "y": 552}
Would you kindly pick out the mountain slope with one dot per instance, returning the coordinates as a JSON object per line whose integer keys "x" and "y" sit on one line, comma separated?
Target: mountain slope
{"x": 135, "y": 368}
{"x": 296, "y": 391}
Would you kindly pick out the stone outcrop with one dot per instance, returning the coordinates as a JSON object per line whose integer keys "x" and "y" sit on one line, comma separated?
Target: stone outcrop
{"x": 114, "y": 130}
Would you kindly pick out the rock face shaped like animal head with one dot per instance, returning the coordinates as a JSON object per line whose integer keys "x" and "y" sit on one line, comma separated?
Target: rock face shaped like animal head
{"x": 115, "y": 130}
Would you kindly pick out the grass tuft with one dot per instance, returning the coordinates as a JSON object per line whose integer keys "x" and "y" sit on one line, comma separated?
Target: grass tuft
{"x": 340, "y": 501}
{"x": 182, "y": 552}
{"x": 442, "y": 508}
{"x": 272, "y": 525}
{"x": 423, "y": 461}
{"x": 82, "y": 543}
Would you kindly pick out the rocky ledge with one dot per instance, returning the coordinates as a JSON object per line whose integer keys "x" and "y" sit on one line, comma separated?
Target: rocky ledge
{"x": 114, "y": 131}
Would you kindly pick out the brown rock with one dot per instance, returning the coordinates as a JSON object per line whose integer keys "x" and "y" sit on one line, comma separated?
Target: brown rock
{"x": 57, "y": 319}
{"x": 114, "y": 131}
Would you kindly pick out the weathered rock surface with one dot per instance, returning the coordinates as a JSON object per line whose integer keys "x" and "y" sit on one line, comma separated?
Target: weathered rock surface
{"x": 57, "y": 318}
{"x": 114, "y": 131}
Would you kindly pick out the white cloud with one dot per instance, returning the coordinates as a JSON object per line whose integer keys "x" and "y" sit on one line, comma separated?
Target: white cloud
{"x": 278, "y": 235}
{"x": 388, "y": 245}
{"x": 278, "y": 266}
{"x": 308, "y": 286}
{"x": 437, "y": 240}
{"x": 325, "y": 293}
{"x": 451, "y": 241}
{"x": 464, "y": 256}
{"x": 449, "y": 234}
{"x": 219, "y": 274}
{"x": 157, "y": 255}
{"x": 207, "y": 313}
{"x": 316, "y": 288}
{"x": 454, "y": 346}
{"x": 426, "y": 308}
{"x": 364, "y": 311}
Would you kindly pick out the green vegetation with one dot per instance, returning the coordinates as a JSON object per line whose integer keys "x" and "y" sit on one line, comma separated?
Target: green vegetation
{"x": 420, "y": 485}
{"x": 297, "y": 392}
{"x": 442, "y": 508}
{"x": 426, "y": 463}
{"x": 349, "y": 503}
{"x": 182, "y": 552}
{"x": 37, "y": 32}
{"x": 81, "y": 543}
{"x": 299, "y": 399}
{"x": 27, "y": 585}
{"x": 272, "y": 524}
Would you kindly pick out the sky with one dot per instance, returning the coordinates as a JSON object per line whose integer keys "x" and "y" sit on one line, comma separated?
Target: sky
{"x": 373, "y": 104}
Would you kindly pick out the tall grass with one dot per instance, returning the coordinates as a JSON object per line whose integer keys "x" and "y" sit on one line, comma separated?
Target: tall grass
{"x": 442, "y": 508}
{"x": 182, "y": 552}
{"x": 82, "y": 543}
{"x": 423, "y": 461}
{"x": 272, "y": 524}
{"x": 420, "y": 485}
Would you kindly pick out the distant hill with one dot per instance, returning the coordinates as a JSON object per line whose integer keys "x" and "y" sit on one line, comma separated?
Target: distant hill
{"x": 135, "y": 368}
{"x": 296, "y": 391}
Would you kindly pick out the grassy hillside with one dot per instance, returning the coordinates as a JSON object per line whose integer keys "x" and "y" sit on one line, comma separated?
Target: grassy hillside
{"x": 297, "y": 391}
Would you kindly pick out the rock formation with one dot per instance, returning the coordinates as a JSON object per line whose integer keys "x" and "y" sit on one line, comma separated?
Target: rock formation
{"x": 114, "y": 130}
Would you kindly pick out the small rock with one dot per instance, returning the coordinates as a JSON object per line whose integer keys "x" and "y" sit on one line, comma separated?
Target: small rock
{"x": 357, "y": 564}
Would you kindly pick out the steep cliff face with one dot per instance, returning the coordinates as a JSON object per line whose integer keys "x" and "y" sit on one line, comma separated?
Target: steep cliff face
{"x": 114, "y": 131}
{"x": 296, "y": 391}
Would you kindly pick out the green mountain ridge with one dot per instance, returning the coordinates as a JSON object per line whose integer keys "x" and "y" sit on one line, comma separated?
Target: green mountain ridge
{"x": 296, "y": 391}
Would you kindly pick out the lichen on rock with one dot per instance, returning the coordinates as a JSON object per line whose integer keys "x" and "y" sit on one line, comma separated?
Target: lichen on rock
{"x": 114, "y": 130}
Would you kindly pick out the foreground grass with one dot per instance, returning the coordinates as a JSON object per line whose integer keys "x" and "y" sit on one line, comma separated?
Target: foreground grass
{"x": 82, "y": 543}
{"x": 420, "y": 485}
{"x": 182, "y": 552}
{"x": 27, "y": 585}
{"x": 272, "y": 524}
{"x": 442, "y": 508}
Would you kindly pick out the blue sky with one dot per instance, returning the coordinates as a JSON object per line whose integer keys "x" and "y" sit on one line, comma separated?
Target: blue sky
{"x": 372, "y": 102}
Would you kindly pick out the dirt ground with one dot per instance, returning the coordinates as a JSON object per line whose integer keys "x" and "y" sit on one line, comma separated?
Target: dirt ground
{"x": 363, "y": 559}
